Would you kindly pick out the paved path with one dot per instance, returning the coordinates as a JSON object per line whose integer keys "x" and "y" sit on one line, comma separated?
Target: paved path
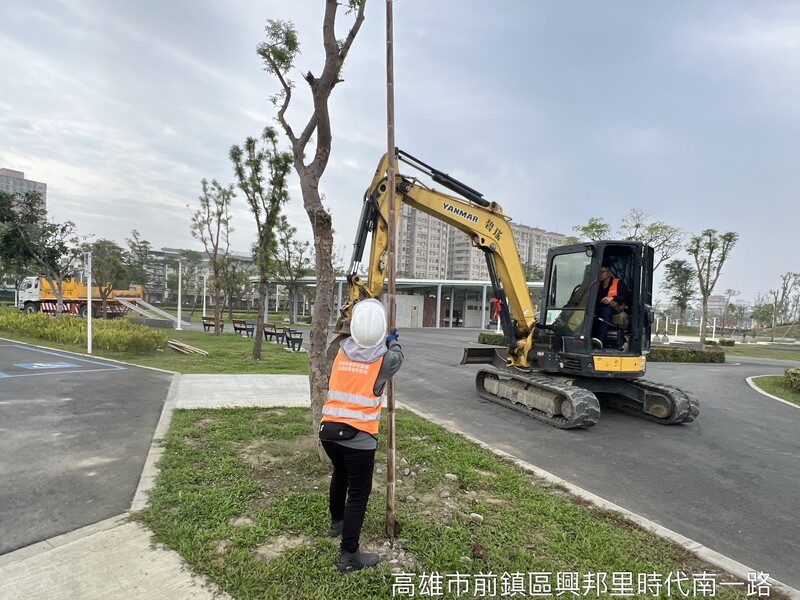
{"x": 74, "y": 434}
{"x": 729, "y": 480}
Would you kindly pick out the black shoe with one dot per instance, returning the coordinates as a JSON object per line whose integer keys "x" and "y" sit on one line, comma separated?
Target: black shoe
{"x": 336, "y": 528}
{"x": 353, "y": 561}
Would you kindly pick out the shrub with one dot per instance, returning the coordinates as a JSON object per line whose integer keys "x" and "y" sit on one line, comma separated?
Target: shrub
{"x": 493, "y": 339}
{"x": 117, "y": 335}
{"x": 727, "y": 342}
{"x": 711, "y": 342}
{"x": 792, "y": 378}
{"x": 686, "y": 355}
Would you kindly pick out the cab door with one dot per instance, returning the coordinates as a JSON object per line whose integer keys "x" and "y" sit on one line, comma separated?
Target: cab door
{"x": 642, "y": 317}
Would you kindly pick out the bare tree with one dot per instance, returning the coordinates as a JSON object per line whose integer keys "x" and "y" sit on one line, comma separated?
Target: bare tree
{"x": 278, "y": 53}
{"x": 138, "y": 260}
{"x": 729, "y": 295}
{"x": 781, "y": 297}
{"x": 211, "y": 224}
{"x": 292, "y": 260}
{"x": 710, "y": 250}
{"x": 266, "y": 192}
{"x": 665, "y": 240}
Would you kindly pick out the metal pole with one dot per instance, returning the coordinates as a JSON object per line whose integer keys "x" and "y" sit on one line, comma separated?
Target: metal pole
{"x": 438, "y": 304}
{"x": 88, "y": 303}
{"x": 392, "y": 291}
{"x": 205, "y": 276}
{"x": 714, "y": 329}
{"x": 657, "y": 322}
{"x": 676, "y": 329}
{"x": 483, "y": 309}
{"x": 666, "y": 326}
{"x": 178, "y": 325}
{"x": 452, "y": 302}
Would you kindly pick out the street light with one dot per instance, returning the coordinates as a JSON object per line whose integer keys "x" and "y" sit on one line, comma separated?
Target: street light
{"x": 205, "y": 275}
{"x": 180, "y": 281}
{"x": 88, "y": 266}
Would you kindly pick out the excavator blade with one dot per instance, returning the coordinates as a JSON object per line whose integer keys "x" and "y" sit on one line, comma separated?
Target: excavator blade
{"x": 485, "y": 355}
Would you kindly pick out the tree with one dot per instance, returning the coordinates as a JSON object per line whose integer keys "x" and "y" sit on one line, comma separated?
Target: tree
{"x": 211, "y": 224}
{"x": 278, "y": 53}
{"x": 53, "y": 247}
{"x": 679, "y": 283}
{"x": 710, "y": 250}
{"x": 235, "y": 281}
{"x": 15, "y": 260}
{"x": 595, "y": 229}
{"x": 292, "y": 260}
{"x": 762, "y": 311}
{"x": 781, "y": 297}
{"x": 665, "y": 240}
{"x": 138, "y": 261}
{"x": 262, "y": 175}
{"x": 189, "y": 264}
{"x": 729, "y": 295}
{"x": 533, "y": 272}
{"x": 108, "y": 269}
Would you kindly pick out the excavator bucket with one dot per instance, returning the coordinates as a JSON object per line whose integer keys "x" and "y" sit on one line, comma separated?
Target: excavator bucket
{"x": 485, "y": 355}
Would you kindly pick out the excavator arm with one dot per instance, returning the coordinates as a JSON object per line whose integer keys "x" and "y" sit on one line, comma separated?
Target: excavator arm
{"x": 481, "y": 220}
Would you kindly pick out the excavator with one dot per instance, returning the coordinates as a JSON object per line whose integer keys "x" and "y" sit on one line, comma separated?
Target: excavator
{"x": 553, "y": 368}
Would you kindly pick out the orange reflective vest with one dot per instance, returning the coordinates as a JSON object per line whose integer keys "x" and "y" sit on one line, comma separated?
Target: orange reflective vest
{"x": 612, "y": 289}
{"x": 351, "y": 398}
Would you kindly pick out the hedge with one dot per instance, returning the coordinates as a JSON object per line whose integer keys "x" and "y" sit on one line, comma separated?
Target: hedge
{"x": 115, "y": 335}
{"x": 685, "y": 355}
{"x": 493, "y": 339}
{"x": 727, "y": 342}
{"x": 792, "y": 378}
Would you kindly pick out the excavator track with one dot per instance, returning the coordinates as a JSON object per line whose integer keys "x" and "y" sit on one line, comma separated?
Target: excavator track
{"x": 684, "y": 406}
{"x": 548, "y": 399}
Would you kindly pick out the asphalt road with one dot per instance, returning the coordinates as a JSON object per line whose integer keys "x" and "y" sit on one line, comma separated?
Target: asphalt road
{"x": 74, "y": 435}
{"x": 730, "y": 480}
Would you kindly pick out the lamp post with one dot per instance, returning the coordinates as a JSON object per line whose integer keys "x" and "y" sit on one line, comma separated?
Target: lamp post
{"x": 205, "y": 276}
{"x": 88, "y": 265}
{"x": 180, "y": 281}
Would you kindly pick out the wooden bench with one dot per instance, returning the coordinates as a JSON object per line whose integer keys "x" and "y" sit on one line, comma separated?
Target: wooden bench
{"x": 271, "y": 331}
{"x": 294, "y": 339}
{"x": 248, "y": 326}
{"x": 209, "y": 322}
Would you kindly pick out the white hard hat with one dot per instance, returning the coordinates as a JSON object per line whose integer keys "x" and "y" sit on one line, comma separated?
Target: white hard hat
{"x": 368, "y": 325}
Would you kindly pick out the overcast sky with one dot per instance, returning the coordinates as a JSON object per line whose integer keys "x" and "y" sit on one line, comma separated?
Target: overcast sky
{"x": 558, "y": 111}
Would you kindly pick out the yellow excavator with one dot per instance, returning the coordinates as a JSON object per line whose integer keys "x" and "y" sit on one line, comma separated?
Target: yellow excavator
{"x": 553, "y": 369}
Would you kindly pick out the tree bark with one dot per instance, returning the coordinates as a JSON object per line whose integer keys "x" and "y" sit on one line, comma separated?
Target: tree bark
{"x": 262, "y": 303}
{"x": 217, "y": 306}
{"x": 705, "y": 321}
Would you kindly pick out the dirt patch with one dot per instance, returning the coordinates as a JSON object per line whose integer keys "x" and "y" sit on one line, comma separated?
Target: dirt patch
{"x": 240, "y": 521}
{"x": 485, "y": 473}
{"x": 204, "y": 422}
{"x": 274, "y": 547}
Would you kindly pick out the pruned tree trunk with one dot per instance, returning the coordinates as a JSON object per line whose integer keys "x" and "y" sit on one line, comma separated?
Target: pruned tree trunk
{"x": 217, "y": 308}
{"x": 705, "y": 321}
{"x": 262, "y": 304}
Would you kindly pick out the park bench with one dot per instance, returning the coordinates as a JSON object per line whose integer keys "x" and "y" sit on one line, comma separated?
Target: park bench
{"x": 248, "y": 326}
{"x": 294, "y": 339}
{"x": 271, "y": 331}
{"x": 208, "y": 324}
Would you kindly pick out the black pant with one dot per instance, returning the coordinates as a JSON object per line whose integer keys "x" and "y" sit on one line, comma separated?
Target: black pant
{"x": 606, "y": 313}
{"x": 351, "y": 480}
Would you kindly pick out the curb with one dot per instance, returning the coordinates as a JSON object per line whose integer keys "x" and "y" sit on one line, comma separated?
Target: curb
{"x": 752, "y": 384}
{"x": 696, "y": 548}
{"x": 150, "y": 470}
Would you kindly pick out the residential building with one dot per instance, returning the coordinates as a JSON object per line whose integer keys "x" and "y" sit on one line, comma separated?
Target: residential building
{"x": 422, "y": 245}
{"x": 14, "y": 182}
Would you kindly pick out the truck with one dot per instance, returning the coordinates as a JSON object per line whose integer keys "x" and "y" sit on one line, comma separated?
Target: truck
{"x": 37, "y": 295}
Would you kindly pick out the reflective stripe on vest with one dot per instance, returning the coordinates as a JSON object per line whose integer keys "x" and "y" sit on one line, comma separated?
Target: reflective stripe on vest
{"x": 612, "y": 289}
{"x": 351, "y": 397}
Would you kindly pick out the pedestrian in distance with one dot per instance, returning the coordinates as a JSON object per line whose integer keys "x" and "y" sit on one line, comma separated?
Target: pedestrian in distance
{"x": 350, "y": 419}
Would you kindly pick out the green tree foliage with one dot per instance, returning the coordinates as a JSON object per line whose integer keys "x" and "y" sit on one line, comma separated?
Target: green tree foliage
{"x": 138, "y": 259}
{"x": 16, "y": 261}
{"x": 593, "y": 230}
{"x": 211, "y": 224}
{"x": 762, "y": 312}
{"x": 533, "y": 272}
{"x": 710, "y": 251}
{"x": 108, "y": 269}
{"x": 679, "y": 283}
{"x": 262, "y": 174}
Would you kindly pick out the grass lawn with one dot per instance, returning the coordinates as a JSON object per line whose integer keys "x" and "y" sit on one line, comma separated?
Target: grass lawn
{"x": 759, "y": 351}
{"x": 776, "y": 385}
{"x": 242, "y": 496}
{"x": 228, "y": 354}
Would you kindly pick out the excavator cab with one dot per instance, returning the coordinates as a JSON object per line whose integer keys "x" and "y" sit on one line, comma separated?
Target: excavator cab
{"x": 572, "y": 329}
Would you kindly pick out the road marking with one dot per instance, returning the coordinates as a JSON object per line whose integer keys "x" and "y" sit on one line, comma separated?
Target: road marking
{"x": 39, "y": 365}
{"x": 750, "y": 382}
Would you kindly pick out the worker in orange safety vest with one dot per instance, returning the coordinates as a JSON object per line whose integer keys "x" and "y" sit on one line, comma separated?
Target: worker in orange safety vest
{"x": 612, "y": 294}
{"x": 350, "y": 420}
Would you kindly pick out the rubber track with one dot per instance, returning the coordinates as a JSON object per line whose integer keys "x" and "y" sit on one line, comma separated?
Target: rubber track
{"x": 587, "y": 407}
{"x": 686, "y": 406}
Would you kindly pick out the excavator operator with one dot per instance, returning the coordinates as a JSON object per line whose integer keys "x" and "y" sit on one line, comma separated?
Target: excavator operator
{"x": 612, "y": 299}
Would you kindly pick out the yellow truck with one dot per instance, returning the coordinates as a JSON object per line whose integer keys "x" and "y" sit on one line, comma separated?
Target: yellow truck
{"x": 37, "y": 295}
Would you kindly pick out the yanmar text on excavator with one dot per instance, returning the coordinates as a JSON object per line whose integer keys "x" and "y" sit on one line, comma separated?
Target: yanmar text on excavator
{"x": 554, "y": 369}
